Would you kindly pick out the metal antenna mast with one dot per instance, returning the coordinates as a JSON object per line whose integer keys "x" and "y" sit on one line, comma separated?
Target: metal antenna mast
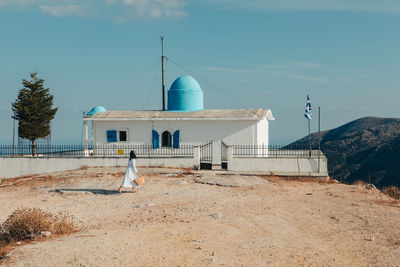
{"x": 162, "y": 71}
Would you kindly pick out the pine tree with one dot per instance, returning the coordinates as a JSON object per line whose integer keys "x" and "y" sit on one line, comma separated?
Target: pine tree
{"x": 34, "y": 110}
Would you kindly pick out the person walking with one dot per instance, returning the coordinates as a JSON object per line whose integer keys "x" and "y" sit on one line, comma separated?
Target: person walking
{"x": 131, "y": 174}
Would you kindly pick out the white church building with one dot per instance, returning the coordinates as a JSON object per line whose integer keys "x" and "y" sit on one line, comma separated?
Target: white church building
{"x": 184, "y": 122}
{"x": 233, "y": 139}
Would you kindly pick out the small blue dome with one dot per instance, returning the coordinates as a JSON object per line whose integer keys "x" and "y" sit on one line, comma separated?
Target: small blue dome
{"x": 95, "y": 110}
{"x": 185, "y": 82}
{"x": 185, "y": 94}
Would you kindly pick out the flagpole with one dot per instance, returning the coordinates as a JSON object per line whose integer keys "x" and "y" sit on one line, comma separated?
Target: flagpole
{"x": 308, "y": 116}
{"x": 309, "y": 136}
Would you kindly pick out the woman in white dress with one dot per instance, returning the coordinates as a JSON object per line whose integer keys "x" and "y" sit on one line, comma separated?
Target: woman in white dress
{"x": 130, "y": 174}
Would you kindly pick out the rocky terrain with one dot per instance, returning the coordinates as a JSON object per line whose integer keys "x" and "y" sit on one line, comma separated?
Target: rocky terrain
{"x": 205, "y": 218}
{"x": 366, "y": 149}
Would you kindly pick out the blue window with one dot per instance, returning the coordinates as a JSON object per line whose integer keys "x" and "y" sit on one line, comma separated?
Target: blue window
{"x": 155, "y": 139}
{"x": 111, "y": 136}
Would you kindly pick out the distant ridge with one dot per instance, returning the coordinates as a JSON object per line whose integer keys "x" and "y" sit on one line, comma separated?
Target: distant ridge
{"x": 363, "y": 148}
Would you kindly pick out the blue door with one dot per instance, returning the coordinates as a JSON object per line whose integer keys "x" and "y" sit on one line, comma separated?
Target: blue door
{"x": 156, "y": 138}
{"x": 176, "y": 139}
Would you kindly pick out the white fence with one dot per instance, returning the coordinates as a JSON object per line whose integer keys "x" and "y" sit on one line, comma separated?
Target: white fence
{"x": 316, "y": 165}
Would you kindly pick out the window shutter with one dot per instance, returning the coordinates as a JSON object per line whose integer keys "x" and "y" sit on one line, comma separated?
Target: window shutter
{"x": 111, "y": 136}
{"x": 155, "y": 139}
{"x": 176, "y": 139}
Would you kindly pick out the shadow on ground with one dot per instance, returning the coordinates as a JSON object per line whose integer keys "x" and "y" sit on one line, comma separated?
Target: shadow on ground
{"x": 89, "y": 190}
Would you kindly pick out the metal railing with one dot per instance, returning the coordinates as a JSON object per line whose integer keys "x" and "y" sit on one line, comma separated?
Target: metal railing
{"x": 277, "y": 151}
{"x": 142, "y": 151}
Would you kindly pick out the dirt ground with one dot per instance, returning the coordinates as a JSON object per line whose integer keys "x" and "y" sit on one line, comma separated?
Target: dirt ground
{"x": 205, "y": 218}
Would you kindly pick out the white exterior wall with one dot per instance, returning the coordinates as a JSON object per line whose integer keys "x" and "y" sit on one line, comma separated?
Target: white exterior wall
{"x": 11, "y": 167}
{"x": 262, "y": 132}
{"x": 279, "y": 166}
{"x": 245, "y": 132}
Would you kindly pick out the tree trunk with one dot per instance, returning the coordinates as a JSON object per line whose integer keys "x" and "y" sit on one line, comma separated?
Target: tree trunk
{"x": 33, "y": 147}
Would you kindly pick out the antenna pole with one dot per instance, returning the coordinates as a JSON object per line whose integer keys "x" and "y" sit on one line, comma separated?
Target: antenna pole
{"x": 319, "y": 138}
{"x": 162, "y": 72}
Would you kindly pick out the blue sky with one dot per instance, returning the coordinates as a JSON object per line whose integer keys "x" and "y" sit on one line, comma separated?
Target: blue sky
{"x": 268, "y": 54}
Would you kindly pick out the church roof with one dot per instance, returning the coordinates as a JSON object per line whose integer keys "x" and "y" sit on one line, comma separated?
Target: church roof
{"x": 185, "y": 95}
{"x": 185, "y": 82}
{"x": 209, "y": 114}
{"x": 95, "y": 110}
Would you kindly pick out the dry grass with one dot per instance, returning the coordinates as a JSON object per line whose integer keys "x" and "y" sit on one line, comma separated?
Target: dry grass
{"x": 118, "y": 174}
{"x": 3, "y": 251}
{"x": 392, "y": 191}
{"x": 28, "y": 223}
{"x": 302, "y": 179}
{"x": 187, "y": 171}
{"x": 31, "y": 180}
{"x": 359, "y": 183}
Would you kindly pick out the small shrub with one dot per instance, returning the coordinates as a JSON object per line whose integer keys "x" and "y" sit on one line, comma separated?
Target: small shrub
{"x": 26, "y": 223}
{"x": 22, "y": 223}
{"x": 63, "y": 223}
{"x": 392, "y": 191}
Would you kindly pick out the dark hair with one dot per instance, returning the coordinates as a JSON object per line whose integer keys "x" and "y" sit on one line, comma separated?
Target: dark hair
{"x": 132, "y": 155}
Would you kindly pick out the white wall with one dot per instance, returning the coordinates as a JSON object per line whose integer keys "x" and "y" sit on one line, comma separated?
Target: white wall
{"x": 15, "y": 167}
{"x": 262, "y": 132}
{"x": 246, "y": 132}
{"x": 279, "y": 166}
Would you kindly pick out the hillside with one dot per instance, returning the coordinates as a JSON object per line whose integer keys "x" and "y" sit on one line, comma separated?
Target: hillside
{"x": 367, "y": 148}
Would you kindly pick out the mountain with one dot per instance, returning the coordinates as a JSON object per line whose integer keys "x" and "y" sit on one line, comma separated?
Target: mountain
{"x": 366, "y": 149}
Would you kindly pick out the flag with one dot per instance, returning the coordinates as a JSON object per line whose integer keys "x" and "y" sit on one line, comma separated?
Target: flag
{"x": 307, "y": 113}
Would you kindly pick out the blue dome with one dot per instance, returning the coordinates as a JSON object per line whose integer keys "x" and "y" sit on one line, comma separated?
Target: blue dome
{"x": 95, "y": 110}
{"x": 185, "y": 94}
{"x": 185, "y": 82}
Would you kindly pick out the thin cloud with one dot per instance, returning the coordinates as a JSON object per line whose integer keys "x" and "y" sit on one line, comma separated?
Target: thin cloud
{"x": 312, "y": 5}
{"x": 278, "y": 73}
{"x": 61, "y": 10}
{"x": 305, "y": 64}
{"x": 4, "y": 3}
{"x": 149, "y": 8}
{"x": 303, "y": 77}
{"x": 120, "y": 10}
{"x": 258, "y": 93}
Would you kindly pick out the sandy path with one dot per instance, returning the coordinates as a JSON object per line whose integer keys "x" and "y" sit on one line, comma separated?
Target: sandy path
{"x": 174, "y": 220}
